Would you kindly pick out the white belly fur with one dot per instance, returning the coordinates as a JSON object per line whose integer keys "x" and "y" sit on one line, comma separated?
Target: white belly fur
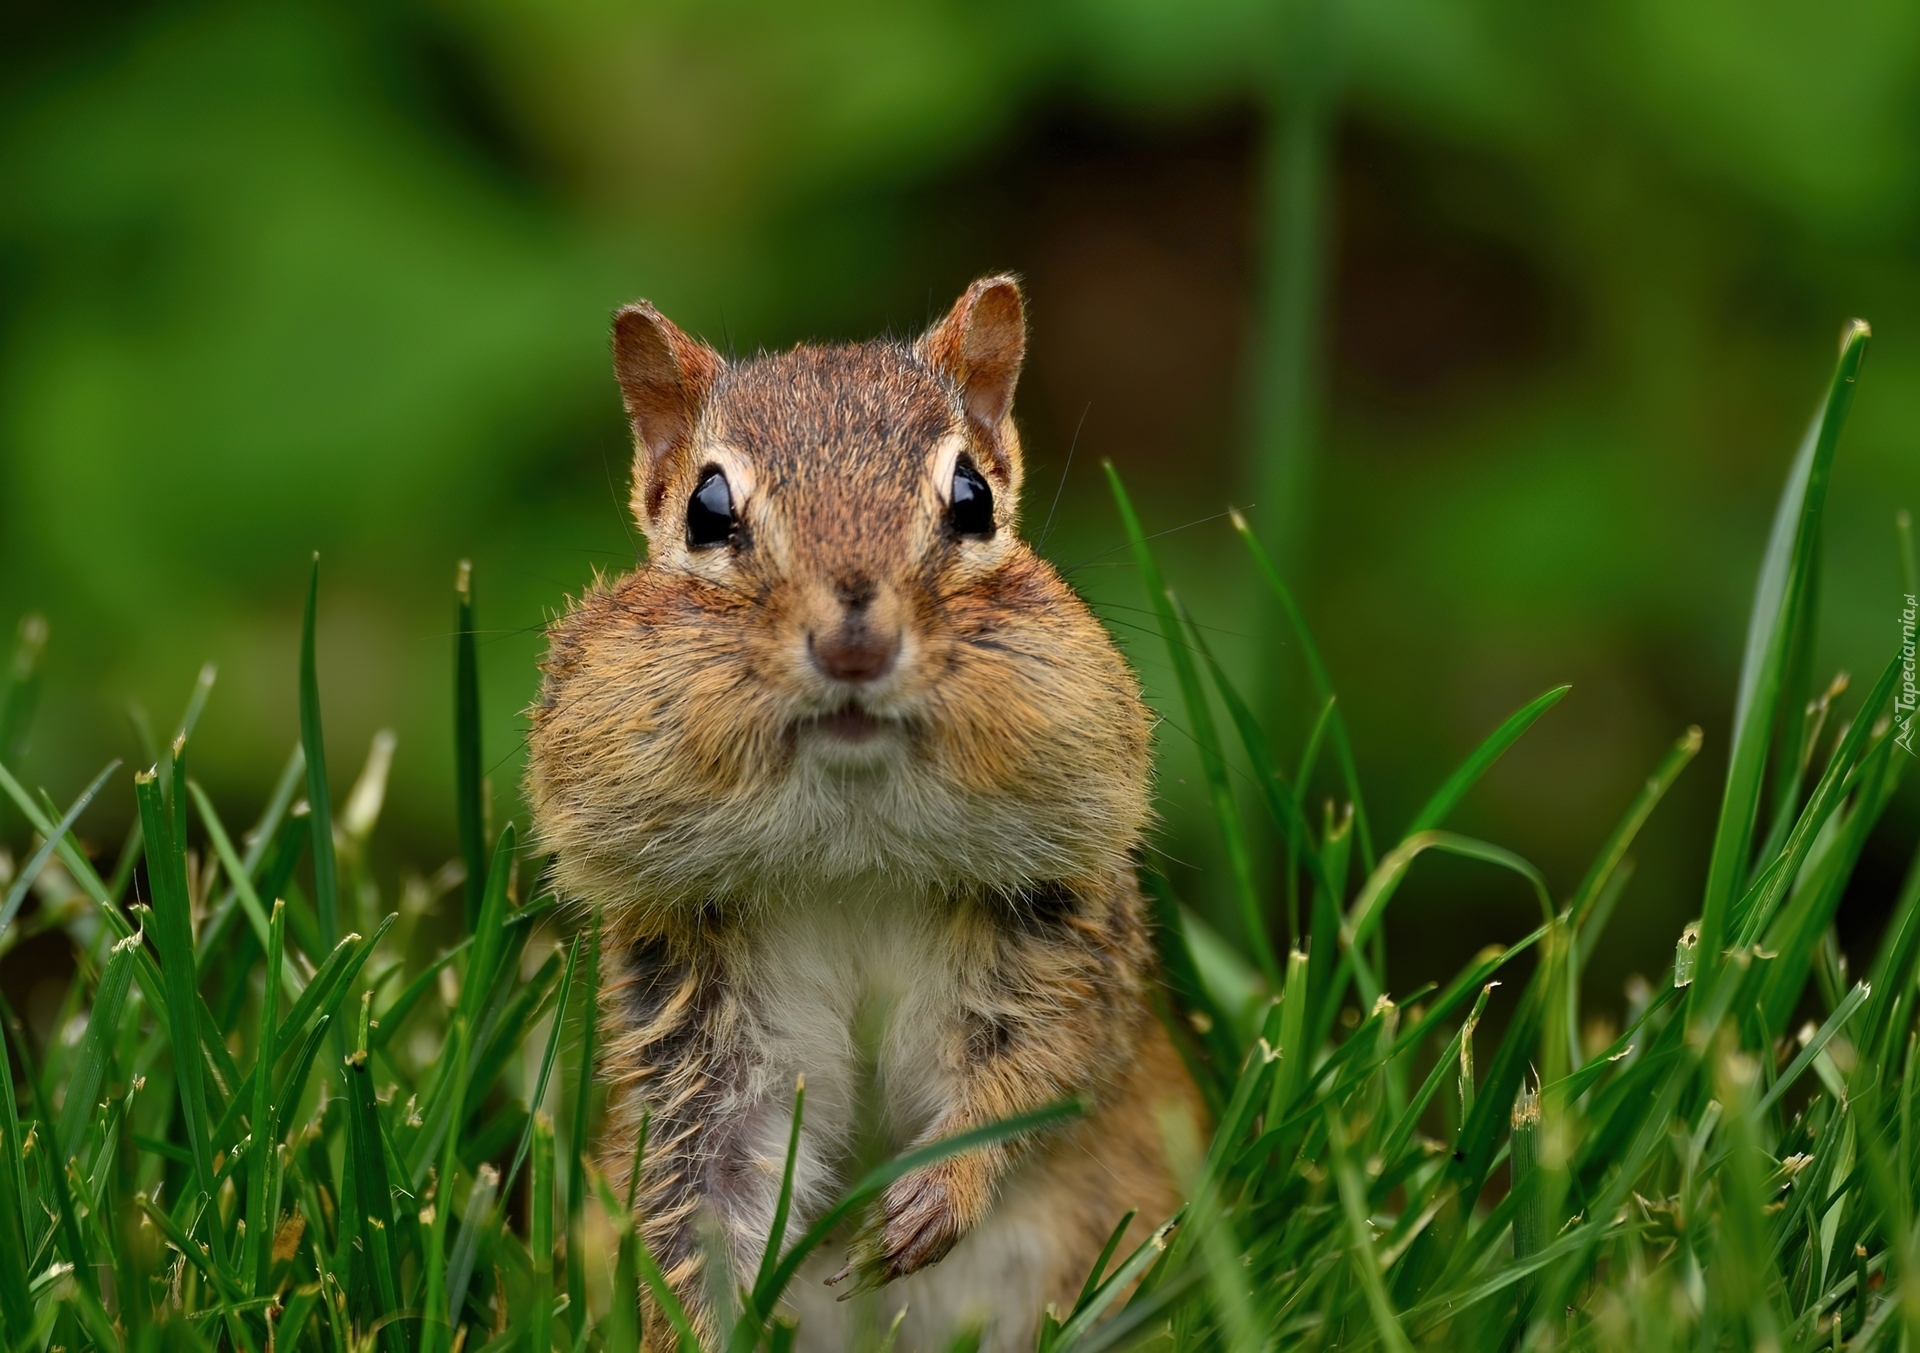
{"x": 859, "y": 992}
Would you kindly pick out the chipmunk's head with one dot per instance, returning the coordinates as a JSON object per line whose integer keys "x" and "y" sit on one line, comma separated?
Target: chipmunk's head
{"x": 839, "y": 651}
{"x": 834, "y": 507}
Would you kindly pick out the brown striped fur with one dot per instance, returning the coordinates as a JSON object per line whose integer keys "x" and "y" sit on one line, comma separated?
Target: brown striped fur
{"x": 965, "y": 873}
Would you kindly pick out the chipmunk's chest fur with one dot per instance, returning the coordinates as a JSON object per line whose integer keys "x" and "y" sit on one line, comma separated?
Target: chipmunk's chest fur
{"x": 861, "y": 988}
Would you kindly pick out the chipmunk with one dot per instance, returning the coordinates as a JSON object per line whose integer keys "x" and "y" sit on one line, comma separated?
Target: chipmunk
{"x": 845, "y": 743}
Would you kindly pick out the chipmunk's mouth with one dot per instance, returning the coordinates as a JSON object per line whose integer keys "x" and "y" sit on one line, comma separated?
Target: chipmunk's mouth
{"x": 849, "y": 724}
{"x": 850, "y": 734}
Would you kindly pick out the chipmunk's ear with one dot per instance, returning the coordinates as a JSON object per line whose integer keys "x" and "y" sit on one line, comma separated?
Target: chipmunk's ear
{"x": 979, "y": 346}
{"x": 665, "y": 377}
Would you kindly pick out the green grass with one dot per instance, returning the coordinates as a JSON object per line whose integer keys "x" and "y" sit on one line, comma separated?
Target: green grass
{"x": 283, "y": 1112}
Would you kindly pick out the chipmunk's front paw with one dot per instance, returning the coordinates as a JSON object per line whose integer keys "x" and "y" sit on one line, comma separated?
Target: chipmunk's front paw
{"x": 920, "y": 1217}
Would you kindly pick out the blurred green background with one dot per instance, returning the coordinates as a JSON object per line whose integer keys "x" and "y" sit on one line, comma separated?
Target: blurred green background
{"x": 1505, "y": 318}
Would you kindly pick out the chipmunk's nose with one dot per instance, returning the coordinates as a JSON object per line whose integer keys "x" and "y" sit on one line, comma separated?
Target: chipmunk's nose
{"x": 854, "y": 652}
{"x": 862, "y": 645}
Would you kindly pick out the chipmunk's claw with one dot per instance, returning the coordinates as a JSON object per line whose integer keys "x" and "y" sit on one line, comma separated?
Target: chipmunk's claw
{"x": 915, "y": 1225}
{"x": 869, "y": 1281}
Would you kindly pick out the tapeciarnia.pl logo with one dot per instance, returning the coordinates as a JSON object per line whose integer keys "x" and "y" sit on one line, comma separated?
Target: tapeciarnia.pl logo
{"x": 1905, "y": 702}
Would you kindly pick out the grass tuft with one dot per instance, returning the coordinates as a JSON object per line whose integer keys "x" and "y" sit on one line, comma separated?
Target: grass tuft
{"x": 297, "y": 1117}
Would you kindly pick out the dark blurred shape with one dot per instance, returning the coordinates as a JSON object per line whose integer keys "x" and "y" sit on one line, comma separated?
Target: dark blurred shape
{"x": 1432, "y": 305}
{"x": 1139, "y": 244}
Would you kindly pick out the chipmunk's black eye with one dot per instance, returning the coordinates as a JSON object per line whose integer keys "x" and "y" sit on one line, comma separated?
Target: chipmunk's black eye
{"x": 710, "y": 512}
{"x": 970, "y": 508}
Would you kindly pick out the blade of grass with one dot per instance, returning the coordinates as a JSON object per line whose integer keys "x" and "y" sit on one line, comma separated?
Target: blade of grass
{"x": 134, "y": 848}
{"x": 295, "y": 1084}
{"x": 330, "y": 984}
{"x": 1485, "y": 964}
{"x": 1615, "y": 850}
{"x": 395, "y": 1015}
{"x": 1274, "y": 788}
{"x": 1448, "y": 796}
{"x": 258, "y": 1253}
{"x": 520, "y": 1010}
{"x": 540, "y": 1246}
{"x": 183, "y": 733}
{"x": 577, "y": 1143}
{"x": 173, "y": 936}
{"x": 547, "y": 1059}
{"x": 635, "y": 1256}
{"x": 482, "y": 1214}
{"x": 877, "y": 1179}
{"x": 1289, "y": 1038}
{"x": 466, "y": 748}
{"x": 1796, "y": 932}
{"x": 20, "y": 695}
{"x": 1409, "y": 1120}
{"x": 89, "y": 1071}
{"x": 1322, "y": 684}
{"x": 1310, "y": 753}
{"x": 375, "y": 1198}
{"x": 1380, "y": 887}
{"x": 321, "y": 997}
{"x": 1783, "y": 601}
{"x": 16, "y": 1301}
{"x": 1353, "y": 1207}
{"x": 777, "y": 1232}
{"x": 1532, "y": 1226}
{"x": 1894, "y": 963}
{"x": 66, "y": 1225}
{"x": 1594, "y": 898}
{"x": 1324, "y": 953}
{"x": 1480, "y": 1131}
{"x": 37, "y": 861}
{"x": 456, "y": 1068}
{"x": 1148, "y": 1305}
{"x": 1183, "y": 977}
{"x": 484, "y": 991}
{"x": 272, "y": 877}
{"x": 238, "y": 876}
{"x": 484, "y": 960}
{"x": 260, "y": 840}
{"x": 1750, "y": 916}
{"x": 1815, "y": 1046}
{"x": 326, "y": 881}
{"x": 1091, "y": 1287}
{"x": 1206, "y": 739}
{"x": 197, "y": 1254}
{"x": 1211, "y": 1219}
{"x": 620, "y": 1331}
{"x": 78, "y": 866}
{"x": 1232, "y": 1129}
{"x": 1093, "y": 1305}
